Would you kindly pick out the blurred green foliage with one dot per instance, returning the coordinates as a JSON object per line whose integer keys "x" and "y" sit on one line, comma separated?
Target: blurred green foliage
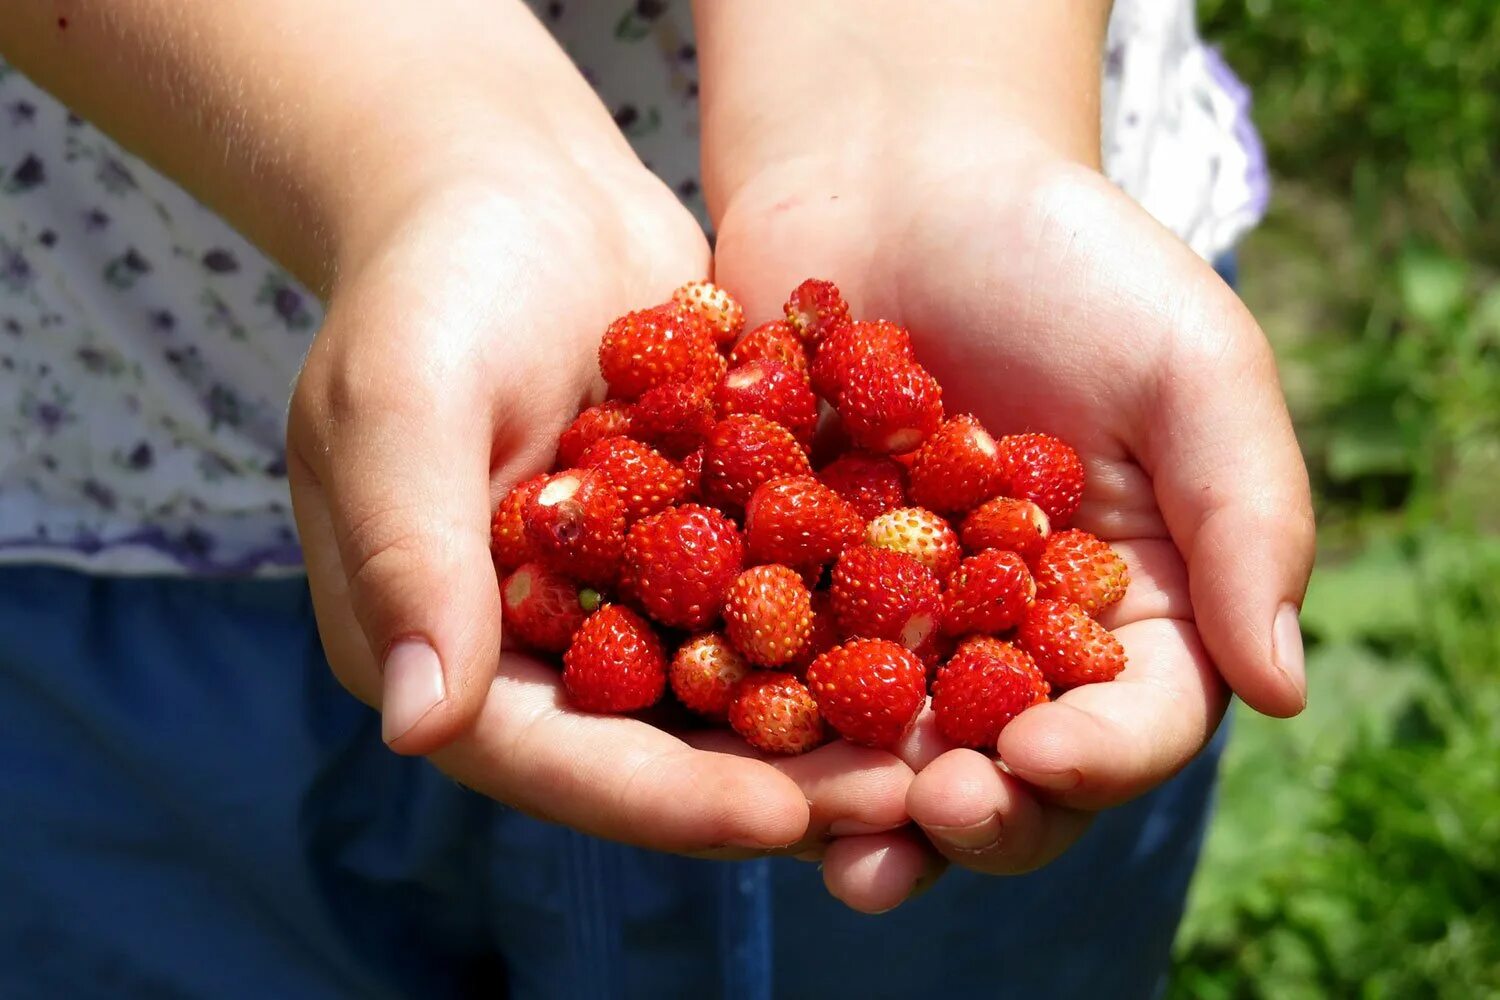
{"x": 1356, "y": 851}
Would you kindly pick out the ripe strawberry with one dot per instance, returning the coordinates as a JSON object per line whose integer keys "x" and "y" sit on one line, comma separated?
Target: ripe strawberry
{"x": 988, "y": 592}
{"x": 873, "y": 484}
{"x": 773, "y": 341}
{"x": 704, "y": 673}
{"x": 797, "y": 521}
{"x": 768, "y": 615}
{"x": 651, "y": 346}
{"x": 986, "y": 684}
{"x": 1081, "y": 569}
{"x": 508, "y": 538}
{"x": 577, "y": 525}
{"x": 881, "y": 594}
{"x": 870, "y": 690}
{"x": 743, "y": 451}
{"x": 1044, "y": 470}
{"x": 674, "y": 416}
{"x": 848, "y": 347}
{"x": 956, "y": 468}
{"x": 814, "y": 308}
{"x": 615, "y": 663}
{"x": 919, "y": 533}
{"x": 644, "y": 479}
{"x": 542, "y": 608}
{"x": 1069, "y": 646}
{"x": 776, "y": 713}
{"x": 606, "y": 420}
{"x": 773, "y": 390}
{"x": 890, "y": 407}
{"x": 719, "y": 311}
{"x": 679, "y": 563}
{"x": 1018, "y": 526}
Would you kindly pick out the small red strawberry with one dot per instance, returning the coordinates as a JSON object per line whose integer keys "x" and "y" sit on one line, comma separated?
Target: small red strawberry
{"x": 881, "y": 594}
{"x": 704, "y": 673}
{"x": 577, "y": 525}
{"x": 651, "y": 346}
{"x": 615, "y": 663}
{"x": 1069, "y": 646}
{"x": 870, "y": 690}
{"x": 814, "y": 308}
{"x": 848, "y": 347}
{"x": 674, "y": 416}
{"x": 773, "y": 341}
{"x": 743, "y": 451}
{"x": 986, "y": 684}
{"x": 542, "y": 608}
{"x": 645, "y": 480}
{"x": 890, "y": 408}
{"x": 1018, "y": 526}
{"x": 1081, "y": 569}
{"x": 776, "y": 713}
{"x": 610, "y": 418}
{"x": 718, "y": 310}
{"x": 773, "y": 390}
{"x": 768, "y": 615}
{"x": 1044, "y": 470}
{"x": 797, "y": 521}
{"x": 989, "y": 592}
{"x": 919, "y": 533}
{"x": 956, "y": 468}
{"x": 508, "y": 538}
{"x": 873, "y": 484}
{"x": 679, "y": 563}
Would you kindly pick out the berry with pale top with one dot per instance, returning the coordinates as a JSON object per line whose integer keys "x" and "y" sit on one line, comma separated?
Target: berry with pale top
{"x": 704, "y": 673}
{"x": 869, "y": 690}
{"x": 890, "y": 408}
{"x": 773, "y": 711}
{"x": 773, "y": 390}
{"x": 508, "y": 539}
{"x": 919, "y": 533}
{"x": 882, "y": 594}
{"x": 815, "y": 308}
{"x": 768, "y": 615}
{"x": 576, "y": 523}
{"x": 719, "y": 311}
{"x": 957, "y": 468}
{"x": 541, "y": 609}
{"x": 615, "y": 662}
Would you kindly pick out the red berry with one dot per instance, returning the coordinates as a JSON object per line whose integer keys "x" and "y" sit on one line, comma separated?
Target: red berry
{"x": 847, "y": 348}
{"x": 743, "y": 451}
{"x": 679, "y": 563}
{"x": 577, "y": 525}
{"x": 870, "y": 690}
{"x": 615, "y": 663}
{"x": 956, "y": 468}
{"x": 674, "y": 416}
{"x": 723, "y": 316}
{"x": 508, "y": 538}
{"x": 644, "y": 479}
{"x": 988, "y": 592}
{"x": 797, "y": 521}
{"x": 814, "y": 308}
{"x": 609, "y": 419}
{"x": 646, "y": 348}
{"x": 881, "y": 594}
{"x": 873, "y": 484}
{"x": 890, "y": 408}
{"x": 919, "y": 533}
{"x": 986, "y": 684}
{"x": 1044, "y": 470}
{"x": 773, "y": 341}
{"x": 1069, "y": 646}
{"x": 776, "y": 713}
{"x": 773, "y": 390}
{"x": 1080, "y": 569}
{"x": 704, "y": 673}
{"x": 542, "y": 608}
{"x": 1018, "y": 526}
{"x": 768, "y": 615}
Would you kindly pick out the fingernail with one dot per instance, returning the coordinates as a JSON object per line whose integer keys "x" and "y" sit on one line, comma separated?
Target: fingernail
{"x": 413, "y": 687}
{"x": 974, "y": 837}
{"x": 854, "y": 828}
{"x": 1286, "y": 647}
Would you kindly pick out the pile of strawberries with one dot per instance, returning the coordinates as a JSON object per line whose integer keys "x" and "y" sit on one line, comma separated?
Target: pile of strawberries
{"x": 687, "y": 539}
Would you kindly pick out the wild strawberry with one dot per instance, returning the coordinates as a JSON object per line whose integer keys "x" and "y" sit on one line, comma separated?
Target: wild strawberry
{"x": 606, "y": 420}
{"x": 719, "y": 310}
{"x": 986, "y": 684}
{"x": 615, "y": 663}
{"x": 797, "y": 521}
{"x": 1081, "y": 569}
{"x": 1044, "y": 470}
{"x": 988, "y": 592}
{"x": 870, "y": 690}
{"x": 576, "y": 523}
{"x": 542, "y": 608}
{"x": 651, "y": 346}
{"x": 888, "y": 407}
{"x": 644, "y": 479}
{"x": 1069, "y": 646}
{"x": 880, "y": 594}
{"x": 773, "y": 390}
{"x": 773, "y": 341}
{"x": 768, "y": 615}
{"x": 704, "y": 672}
{"x": 508, "y": 538}
{"x": 743, "y": 451}
{"x": 776, "y": 713}
{"x": 679, "y": 563}
{"x": 674, "y": 416}
{"x": 873, "y": 484}
{"x": 1018, "y": 526}
{"x": 847, "y": 348}
{"x": 814, "y": 308}
{"x": 919, "y": 533}
{"x": 956, "y": 468}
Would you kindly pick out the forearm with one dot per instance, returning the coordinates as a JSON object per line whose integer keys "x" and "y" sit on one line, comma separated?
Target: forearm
{"x": 308, "y": 123}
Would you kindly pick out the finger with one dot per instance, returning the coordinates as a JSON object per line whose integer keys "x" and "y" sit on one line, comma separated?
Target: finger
{"x": 923, "y": 744}
{"x": 878, "y": 872}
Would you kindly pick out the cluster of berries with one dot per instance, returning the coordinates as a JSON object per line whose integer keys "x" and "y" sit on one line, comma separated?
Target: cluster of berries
{"x": 687, "y": 540}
